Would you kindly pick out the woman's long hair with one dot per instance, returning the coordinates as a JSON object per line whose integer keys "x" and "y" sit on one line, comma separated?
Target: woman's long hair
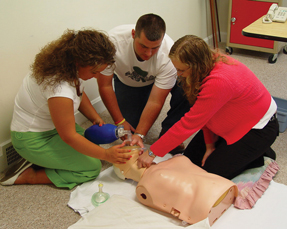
{"x": 196, "y": 54}
{"x": 56, "y": 62}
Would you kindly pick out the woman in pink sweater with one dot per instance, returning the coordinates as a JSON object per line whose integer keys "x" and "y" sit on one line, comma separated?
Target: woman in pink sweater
{"x": 233, "y": 112}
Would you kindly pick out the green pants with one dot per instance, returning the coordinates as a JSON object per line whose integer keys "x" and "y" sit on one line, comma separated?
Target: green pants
{"x": 64, "y": 166}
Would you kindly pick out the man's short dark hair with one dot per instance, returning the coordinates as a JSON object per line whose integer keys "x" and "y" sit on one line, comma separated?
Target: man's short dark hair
{"x": 152, "y": 25}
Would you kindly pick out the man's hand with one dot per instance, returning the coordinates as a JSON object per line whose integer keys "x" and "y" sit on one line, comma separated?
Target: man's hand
{"x": 137, "y": 140}
{"x": 128, "y": 126}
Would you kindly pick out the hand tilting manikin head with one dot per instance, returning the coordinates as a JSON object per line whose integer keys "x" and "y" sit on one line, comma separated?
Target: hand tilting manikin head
{"x": 130, "y": 170}
{"x": 179, "y": 187}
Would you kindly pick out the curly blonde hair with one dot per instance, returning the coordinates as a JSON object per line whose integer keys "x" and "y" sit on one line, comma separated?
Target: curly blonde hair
{"x": 56, "y": 62}
{"x": 195, "y": 53}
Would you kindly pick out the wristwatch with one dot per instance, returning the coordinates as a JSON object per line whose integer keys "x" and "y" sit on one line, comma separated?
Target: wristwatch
{"x": 150, "y": 153}
{"x": 140, "y": 135}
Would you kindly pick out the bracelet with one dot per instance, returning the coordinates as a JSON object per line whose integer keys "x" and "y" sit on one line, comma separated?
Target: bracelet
{"x": 151, "y": 154}
{"x": 140, "y": 135}
{"x": 120, "y": 122}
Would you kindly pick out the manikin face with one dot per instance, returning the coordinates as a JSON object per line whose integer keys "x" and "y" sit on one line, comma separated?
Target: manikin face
{"x": 144, "y": 48}
{"x": 130, "y": 169}
{"x": 182, "y": 69}
{"x": 89, "y": 72}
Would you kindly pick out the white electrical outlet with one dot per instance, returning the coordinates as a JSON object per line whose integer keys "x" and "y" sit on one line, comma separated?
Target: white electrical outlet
{"x": 8, "y": 155}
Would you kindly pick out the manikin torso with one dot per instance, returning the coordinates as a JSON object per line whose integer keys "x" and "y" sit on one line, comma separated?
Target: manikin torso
{"x": 179, "y": 187}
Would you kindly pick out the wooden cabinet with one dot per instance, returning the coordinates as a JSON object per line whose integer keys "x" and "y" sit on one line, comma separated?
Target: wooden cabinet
{"x": 241, "y": 14}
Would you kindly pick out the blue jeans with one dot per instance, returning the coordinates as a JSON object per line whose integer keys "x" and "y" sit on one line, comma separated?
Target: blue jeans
{"x": 132, "y": 101}
{"x": 179, "y": 105}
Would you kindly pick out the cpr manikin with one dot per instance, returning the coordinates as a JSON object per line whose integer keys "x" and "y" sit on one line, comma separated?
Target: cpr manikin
{"x": 179, "y": 187}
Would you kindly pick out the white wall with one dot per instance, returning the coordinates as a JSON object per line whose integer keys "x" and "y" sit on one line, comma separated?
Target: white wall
{"x": 28, "y": 25}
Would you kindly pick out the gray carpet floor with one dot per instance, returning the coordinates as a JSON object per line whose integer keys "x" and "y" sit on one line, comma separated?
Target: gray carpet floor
{"x": 44, "y": 206}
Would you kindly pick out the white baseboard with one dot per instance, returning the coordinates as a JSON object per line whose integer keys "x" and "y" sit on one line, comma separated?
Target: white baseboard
{"x": 97, "y": 104}
{"x": 223, "y": 36}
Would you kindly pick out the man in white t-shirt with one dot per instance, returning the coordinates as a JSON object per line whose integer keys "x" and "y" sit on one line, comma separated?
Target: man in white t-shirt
{"x": 143, "y": 76}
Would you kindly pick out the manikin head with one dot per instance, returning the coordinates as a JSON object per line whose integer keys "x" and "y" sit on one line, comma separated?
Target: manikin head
{"x": 130, "y": 170}
{"x": 179, "y": 187}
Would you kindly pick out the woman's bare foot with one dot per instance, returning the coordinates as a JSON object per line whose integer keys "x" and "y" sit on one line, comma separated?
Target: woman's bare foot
{"x": 31, "y": 176}
{"x": 24, "y": 177}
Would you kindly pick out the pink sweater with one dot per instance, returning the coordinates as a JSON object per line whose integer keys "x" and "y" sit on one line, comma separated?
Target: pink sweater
{"x": 231, "y": 101}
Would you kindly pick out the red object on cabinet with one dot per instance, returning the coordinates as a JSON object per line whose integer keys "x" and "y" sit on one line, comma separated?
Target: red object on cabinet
{"x": 243, "y": 13}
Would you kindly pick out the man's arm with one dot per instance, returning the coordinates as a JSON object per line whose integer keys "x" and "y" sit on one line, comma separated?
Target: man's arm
{"x": 109, "y": 98}
{"x": 152, "y": 109}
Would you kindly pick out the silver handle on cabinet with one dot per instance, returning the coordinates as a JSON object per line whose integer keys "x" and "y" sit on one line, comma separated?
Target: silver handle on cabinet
{"x": 233, "y": 19}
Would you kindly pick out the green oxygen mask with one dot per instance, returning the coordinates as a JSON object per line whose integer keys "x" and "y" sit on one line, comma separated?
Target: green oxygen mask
{"x": 100, "y": 197}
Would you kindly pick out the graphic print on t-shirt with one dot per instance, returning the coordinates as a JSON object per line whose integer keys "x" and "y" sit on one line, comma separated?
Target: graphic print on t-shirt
{"x": 139, "y": 75}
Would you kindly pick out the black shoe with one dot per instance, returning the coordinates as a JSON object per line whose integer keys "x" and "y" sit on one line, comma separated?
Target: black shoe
{"x": 256, "y": 163}
{"x": 270, "y": 153}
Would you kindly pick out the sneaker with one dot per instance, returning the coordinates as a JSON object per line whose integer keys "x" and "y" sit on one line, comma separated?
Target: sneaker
{"x": 13, "y": 173}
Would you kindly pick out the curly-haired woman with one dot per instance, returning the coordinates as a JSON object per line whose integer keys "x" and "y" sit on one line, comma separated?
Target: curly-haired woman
{"x": 43, "y": 128}
{"x": 232, "y": 110}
